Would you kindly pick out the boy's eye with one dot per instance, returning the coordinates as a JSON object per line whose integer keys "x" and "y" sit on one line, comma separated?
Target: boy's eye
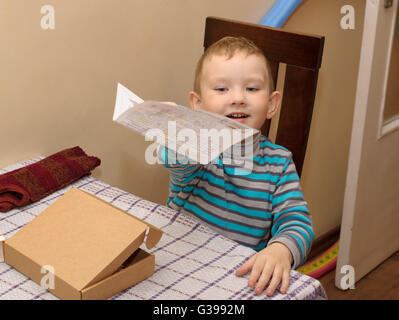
{"x": 252, "y": 89}
{"x": 221, "y": 89}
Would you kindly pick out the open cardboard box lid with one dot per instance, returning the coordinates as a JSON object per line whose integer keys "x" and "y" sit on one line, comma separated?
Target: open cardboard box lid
{"x": 84, "y": 238}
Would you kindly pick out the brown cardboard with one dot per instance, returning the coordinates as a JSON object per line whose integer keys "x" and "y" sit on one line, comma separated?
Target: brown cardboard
{"x": 1, "y": 247}
{"x": 86, "y": 240}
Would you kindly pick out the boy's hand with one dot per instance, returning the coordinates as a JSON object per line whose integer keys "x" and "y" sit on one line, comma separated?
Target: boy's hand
{"x": 169, "y": 102}
{"x": 272, "y": 263}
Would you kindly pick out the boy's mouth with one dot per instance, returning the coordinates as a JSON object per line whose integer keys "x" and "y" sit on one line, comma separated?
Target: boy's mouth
{"x": 238, "y": 116}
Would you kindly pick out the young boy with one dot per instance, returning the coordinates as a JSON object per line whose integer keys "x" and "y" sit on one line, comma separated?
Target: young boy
{"x": 265, "y": 209}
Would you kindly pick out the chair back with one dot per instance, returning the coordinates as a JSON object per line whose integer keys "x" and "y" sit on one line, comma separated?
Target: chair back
{"x": 302, "y": 54}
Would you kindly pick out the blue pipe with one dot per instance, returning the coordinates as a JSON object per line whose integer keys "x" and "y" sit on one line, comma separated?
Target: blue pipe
{"x": 279, "y": 13}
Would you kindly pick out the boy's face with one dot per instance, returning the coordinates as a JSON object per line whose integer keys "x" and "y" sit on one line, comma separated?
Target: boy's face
{"x": 236, "y": 88}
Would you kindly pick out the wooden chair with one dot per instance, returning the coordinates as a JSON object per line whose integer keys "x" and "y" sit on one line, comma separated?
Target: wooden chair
{"x": 302, "y": 54}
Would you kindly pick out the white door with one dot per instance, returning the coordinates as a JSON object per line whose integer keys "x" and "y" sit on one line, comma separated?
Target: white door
{"x": 370, "y": 221}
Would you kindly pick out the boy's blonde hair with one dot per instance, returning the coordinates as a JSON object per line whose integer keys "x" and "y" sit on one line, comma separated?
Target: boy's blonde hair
{"x": 228, "y": 46}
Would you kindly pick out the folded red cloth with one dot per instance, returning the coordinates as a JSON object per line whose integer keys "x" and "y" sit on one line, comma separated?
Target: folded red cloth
{"x": 33, "y": 182}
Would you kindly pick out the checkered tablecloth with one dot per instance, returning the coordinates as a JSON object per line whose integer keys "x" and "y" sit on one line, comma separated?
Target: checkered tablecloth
{"x": 191, "y": 260}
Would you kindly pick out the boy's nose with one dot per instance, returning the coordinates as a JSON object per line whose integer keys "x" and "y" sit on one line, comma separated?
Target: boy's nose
{"x": 237, "y": 97}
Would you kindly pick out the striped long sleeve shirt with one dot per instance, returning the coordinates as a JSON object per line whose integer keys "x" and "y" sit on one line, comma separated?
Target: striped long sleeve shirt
{"x": 255, "y": 207}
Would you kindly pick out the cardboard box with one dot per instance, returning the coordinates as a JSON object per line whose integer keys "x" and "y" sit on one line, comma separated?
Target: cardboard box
{"x": 1, "y": 247}
{"x": 81, "y": 247}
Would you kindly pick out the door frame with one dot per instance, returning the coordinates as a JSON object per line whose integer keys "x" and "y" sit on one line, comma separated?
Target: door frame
{"x": 365, "y": 89}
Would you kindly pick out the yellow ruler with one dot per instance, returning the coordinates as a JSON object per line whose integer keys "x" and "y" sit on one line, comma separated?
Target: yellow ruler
{"x": 322, "y": 264}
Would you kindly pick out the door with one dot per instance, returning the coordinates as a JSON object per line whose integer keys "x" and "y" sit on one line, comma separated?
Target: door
{"x": 370, "y": 221}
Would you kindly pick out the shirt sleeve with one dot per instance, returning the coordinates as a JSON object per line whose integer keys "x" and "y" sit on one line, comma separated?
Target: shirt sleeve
{"x": 182, "y": 170}
{"x": 292, "y": 223}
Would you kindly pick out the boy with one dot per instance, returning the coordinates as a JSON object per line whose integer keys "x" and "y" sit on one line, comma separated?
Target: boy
{"x": 265, "y": 209}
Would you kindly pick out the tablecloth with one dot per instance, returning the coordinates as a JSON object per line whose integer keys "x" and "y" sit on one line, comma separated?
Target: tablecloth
{"x": 191, "y": 260}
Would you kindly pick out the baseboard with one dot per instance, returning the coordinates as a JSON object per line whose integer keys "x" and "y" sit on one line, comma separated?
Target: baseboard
{"x": 322, "y": 243}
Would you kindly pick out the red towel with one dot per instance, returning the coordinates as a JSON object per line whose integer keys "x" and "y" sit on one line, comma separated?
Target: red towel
{"x": 33, "y": 182}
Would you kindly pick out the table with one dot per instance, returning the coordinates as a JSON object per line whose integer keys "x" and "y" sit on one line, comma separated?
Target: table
{"x": 191, "y": 260}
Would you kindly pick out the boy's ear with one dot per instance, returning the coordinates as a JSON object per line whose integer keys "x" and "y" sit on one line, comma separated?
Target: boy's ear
{"x": 274, "y": 103}
{"x": 195, "y": 100}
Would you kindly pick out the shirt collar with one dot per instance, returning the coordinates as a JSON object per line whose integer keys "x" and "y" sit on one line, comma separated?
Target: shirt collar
{"x": 245, "y": 149}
